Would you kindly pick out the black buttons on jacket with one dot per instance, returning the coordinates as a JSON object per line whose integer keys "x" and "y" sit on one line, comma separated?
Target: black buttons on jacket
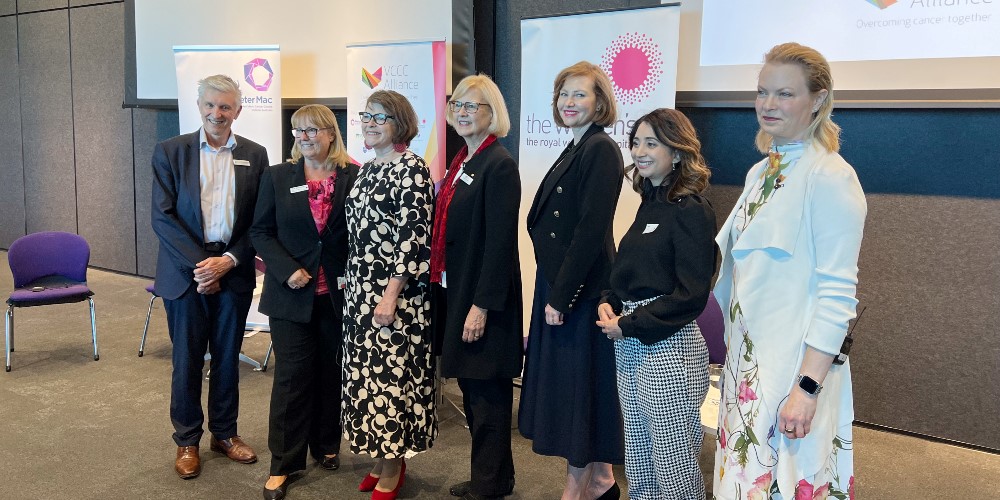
{"x": 552, "y": 235}
{"x": 559, "y": 189}
{"x": 556, "y": 213}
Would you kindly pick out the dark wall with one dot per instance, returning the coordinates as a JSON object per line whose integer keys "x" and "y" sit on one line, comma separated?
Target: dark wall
{"x": 926, "y": 354}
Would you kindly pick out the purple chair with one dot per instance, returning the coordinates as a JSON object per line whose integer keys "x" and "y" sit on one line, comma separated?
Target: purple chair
{"x": 48, "y": 268}
{"x": 151, "y": 288}
{"x": 714, "y": 330}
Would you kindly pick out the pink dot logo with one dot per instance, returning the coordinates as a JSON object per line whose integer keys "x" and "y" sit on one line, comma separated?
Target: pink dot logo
{"x": 252, "y": 67}
{"x": 634, "y": 63}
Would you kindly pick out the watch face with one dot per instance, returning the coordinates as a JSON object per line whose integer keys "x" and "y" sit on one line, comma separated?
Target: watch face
{"x": 808, "y": 384}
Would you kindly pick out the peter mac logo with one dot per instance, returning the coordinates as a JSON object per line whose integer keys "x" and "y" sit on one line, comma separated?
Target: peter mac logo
{"x": 371, "y": 79}
{"x": 258, "y": 70}
{"x": 881, "y": 4}
{"x": 634, "y": 63}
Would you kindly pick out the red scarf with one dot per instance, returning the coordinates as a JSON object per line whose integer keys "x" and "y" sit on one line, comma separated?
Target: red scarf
{"x": 441, "y": 209}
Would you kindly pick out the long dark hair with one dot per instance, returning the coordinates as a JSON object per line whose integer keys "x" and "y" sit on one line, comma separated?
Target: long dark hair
{"x": 673, "y": 129}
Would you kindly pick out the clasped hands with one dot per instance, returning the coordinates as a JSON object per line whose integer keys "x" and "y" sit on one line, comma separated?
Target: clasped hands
{"x": 608, "y": 321}
{"x": 208, "y": 272}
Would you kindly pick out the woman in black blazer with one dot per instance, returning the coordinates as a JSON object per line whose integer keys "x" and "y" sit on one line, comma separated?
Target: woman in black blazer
{"x": 569, "y": 404}
{"x": 474, "y": 258}
{"x": 300, "y": 232}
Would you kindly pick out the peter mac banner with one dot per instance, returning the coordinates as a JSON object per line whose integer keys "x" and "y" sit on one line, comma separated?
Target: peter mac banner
{"x": 636, "y": 48}
{"x": 258, "y": 71}
{"x": 415, "y": 69}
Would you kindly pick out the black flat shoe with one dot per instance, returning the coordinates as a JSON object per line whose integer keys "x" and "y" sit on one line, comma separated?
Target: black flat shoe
{"x": 613, "y": 493}
{"x": 460, "y": 489}
{"x": 330, "y": 463}
{"x": 464, "y": 490}
{"x": 277, "y": 493}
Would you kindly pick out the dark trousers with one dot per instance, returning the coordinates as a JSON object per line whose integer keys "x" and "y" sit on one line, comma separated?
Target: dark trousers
{"x": 306, "y": 395}
{"x": 488, "y": 406}
{"x": 199, "y": 324}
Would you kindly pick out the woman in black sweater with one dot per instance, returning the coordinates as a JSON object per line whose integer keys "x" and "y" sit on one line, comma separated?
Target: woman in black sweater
{"x": 660, "y": 283}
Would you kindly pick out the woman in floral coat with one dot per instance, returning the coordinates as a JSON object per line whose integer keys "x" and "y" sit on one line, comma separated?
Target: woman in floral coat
{"x": 788, "y": 281}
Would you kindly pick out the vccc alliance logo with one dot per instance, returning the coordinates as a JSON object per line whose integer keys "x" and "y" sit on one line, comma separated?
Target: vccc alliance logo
{"x": 635, "y": 64}
{"x": 881, "y": 4}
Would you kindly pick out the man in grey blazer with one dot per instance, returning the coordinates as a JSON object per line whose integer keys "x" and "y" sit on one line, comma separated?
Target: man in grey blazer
{"x": 204, "y": 193}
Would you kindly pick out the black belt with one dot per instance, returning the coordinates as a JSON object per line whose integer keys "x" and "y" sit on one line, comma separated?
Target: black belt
{"x": 215, "y": 247}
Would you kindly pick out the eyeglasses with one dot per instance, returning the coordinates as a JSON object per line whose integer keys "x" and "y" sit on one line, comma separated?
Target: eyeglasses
{"x": 310, "y": 132}
{"x": 470, "y": 107}
{"x": 379, "y": 118}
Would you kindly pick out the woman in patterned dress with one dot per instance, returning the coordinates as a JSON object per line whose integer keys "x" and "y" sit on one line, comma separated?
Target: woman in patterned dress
{"x": 388, "y": 370}
{"x": 788, "y": 281}
{"x": 659, "y": 284}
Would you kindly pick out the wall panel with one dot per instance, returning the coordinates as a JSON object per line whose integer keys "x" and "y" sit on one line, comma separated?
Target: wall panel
{"x": 25, "y": 6}
{"x": 149, "y": 127}
{"x": 8, "y": 7}
{"x": 47, "y": 121}
{"x": 11, "y": 164}
{"x": 106, "y": 199}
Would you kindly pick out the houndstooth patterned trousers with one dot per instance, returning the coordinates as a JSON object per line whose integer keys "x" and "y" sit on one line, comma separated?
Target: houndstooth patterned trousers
{"x": 661, "y": 388}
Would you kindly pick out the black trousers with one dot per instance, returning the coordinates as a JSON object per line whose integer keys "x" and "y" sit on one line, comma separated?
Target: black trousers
{"x": 198, "y": 324}
{"x": 488, "y": 406}
{"x": 306, "y": 394}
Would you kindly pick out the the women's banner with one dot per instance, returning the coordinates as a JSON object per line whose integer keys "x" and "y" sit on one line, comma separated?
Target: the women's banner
{"x": 637, "y": 48}
{"x": 258, "y": 71}
{"x": 415, "y": 69}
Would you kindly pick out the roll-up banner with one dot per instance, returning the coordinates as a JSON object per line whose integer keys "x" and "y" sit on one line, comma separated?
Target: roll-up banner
{"x": 637, "y": 48}
{"x": 257, "y": 68}
{"x": 417, "y": 70}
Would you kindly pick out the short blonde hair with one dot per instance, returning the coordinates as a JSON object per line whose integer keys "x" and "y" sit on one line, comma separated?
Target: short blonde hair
{"x": 607, "y": 111}
{"x": 404, "y": 126}
{"x": 818, "y": 78}
{"x": 321, "y": 117}
{"x": 500, "y": 119}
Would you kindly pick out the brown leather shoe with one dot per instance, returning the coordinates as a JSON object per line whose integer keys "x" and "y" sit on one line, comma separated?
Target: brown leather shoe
{"x": 188, "y": 463}
{"x": 235, "y": 449}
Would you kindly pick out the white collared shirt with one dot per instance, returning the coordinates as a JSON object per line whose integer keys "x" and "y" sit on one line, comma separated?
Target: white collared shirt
{"x": 218, "y": 189}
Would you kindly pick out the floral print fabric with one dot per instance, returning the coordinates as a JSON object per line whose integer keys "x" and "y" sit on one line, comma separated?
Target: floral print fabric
{"x": 747, "y": 458}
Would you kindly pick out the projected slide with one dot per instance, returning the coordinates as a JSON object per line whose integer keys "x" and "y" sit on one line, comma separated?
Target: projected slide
{"x": 740, "y": 32}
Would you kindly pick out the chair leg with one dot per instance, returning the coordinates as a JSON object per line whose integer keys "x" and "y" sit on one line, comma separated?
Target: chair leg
{"x": 145, "y": 329}
{"x": 267, "y": 357}
{"x": 93, "y": 328}
{"x": 9, "y": 324}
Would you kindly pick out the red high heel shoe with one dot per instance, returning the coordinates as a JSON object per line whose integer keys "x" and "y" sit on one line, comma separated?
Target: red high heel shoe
{"x": 368, "y": 483}
{"x": 391, "y": 495}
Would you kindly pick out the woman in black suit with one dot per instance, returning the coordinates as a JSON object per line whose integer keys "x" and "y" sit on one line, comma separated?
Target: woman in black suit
{"x": 300, "y": 232}
{"x": 569, "y": 403}
{"x": 474, "y": 259}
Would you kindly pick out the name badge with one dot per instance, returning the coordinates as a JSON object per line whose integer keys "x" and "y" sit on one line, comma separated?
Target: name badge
{"x": 466, "y": 178}
{"x": 341, "y": 282}
{"x": 298, "y": 189}
{"x": 242, "y": 163}
{"x": 650, "y": 228}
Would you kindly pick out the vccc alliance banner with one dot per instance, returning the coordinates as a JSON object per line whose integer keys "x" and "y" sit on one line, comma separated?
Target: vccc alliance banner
{"x": 258, "y": 71}
{"x": 415, "y": 69}
{"x": 636, "y": 48}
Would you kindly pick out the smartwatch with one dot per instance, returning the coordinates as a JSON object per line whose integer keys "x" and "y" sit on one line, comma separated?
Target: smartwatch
{"x": 806, "y": 383}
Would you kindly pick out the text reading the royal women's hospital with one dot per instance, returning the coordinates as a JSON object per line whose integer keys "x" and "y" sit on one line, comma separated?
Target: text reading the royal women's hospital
{"x": 544, "y": 126}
